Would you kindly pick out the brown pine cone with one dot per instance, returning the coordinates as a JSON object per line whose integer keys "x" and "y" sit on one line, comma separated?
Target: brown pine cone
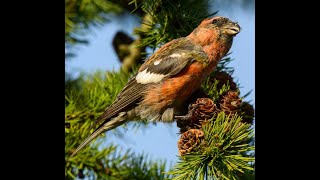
{"x": 247, "y": 112}
{"x": 199, "y": 111}
{"x": 223, "y": 78}
{"x": 203, "y": 109}
{"x": 190, "y": 140}
{"x": 230, "y": 103}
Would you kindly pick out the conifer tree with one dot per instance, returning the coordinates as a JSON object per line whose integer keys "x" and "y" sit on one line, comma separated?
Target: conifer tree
{"x": 216, "y": 136}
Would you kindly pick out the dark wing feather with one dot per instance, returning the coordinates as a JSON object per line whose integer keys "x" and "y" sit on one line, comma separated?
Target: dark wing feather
{"x": 126, "y": 99}
{"x": 130, "y": 95}
{"x": 170, "y": 66}
{"x": 185, "y": 54}
{"x": 181, "y": 45}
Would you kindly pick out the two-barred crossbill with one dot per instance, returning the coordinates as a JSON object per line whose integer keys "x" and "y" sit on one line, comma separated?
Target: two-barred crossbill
{"x": 169, "y": 77}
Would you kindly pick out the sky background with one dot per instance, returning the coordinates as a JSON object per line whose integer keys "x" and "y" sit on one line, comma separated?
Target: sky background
{"x": 160, "y": 141}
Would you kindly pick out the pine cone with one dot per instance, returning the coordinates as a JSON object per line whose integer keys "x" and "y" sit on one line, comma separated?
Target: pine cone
{"x": 203, "y": 109}
{"x": 200, "y": 93}
{"x": 230, "y": 103}
{"x": 247, "y": 112}
{"x": 190, "y": 140}
{"x": 223, "y": 78}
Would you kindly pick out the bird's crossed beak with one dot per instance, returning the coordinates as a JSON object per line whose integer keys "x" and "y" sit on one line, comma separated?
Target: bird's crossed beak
{"x": 232, "y": 29}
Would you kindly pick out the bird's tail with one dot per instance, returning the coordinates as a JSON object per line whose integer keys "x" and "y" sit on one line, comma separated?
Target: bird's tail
{"x": 113, "y": 123}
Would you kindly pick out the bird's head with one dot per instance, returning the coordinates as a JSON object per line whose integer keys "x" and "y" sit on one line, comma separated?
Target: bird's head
{"x": 222, "y": 24}
{"x": 215, "y": 33}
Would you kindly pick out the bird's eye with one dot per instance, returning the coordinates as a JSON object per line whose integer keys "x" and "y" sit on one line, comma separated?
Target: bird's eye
{"x": 214, "y": 21}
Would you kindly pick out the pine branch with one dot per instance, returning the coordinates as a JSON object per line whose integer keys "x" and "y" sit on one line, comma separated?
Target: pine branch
{"x": 166, "y": 20}
{"x": 81, "y": 15}
{"x": 133, "y": 55}
{"x": 218, "y": 155}
{"x": 139, "y": 167}
{"x": 212, "y": 89}
{"x": 85, "y": 99}
{"x": 215, "y": 85}
{"x": 110, "y": 163}
{"x": 223, "y": 65}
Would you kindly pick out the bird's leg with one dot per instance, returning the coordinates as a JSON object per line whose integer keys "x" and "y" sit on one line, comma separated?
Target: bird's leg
{"x": 185, "y": 122}
{"x": 188, "y": 116}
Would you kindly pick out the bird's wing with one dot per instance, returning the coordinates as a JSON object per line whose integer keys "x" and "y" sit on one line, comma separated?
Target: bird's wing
{"x": 166, "y": 62}
{"x": 129, "y": 96}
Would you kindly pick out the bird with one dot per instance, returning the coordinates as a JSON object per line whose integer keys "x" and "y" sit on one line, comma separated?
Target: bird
{"x": 169, "y": 77}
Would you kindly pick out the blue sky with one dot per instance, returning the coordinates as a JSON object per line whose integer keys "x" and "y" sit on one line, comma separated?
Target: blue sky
{"x": 160, "y": 141}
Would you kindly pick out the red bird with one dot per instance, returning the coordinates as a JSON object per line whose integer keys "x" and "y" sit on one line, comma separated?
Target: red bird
{"x": 169, "y": 77}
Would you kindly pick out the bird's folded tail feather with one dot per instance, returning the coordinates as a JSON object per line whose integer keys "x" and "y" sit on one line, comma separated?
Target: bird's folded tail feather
{"x": 113, "y": 123}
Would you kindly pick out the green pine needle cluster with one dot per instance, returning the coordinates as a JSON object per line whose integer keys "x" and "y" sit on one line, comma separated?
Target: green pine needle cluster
{"x": 211, "y": 87}
{"x": 212, "y": 90}
{"x": 81, "y": 15}
{"x": 224, "y": 65}
{"x": 139, "y": 167}
{"x": 97, "y": 91}
{"x": 167, "y": 20}
{"x": 220, "y": 157}
{"x": 111, "y": 164}
{"x": 85, "y": 100}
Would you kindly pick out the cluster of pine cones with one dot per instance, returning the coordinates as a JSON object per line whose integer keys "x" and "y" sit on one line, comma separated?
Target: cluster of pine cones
{"x": 203, "y": 109}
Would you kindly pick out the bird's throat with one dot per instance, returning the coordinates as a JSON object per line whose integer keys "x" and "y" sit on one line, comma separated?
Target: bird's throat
{"x": 218, "y": 49}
